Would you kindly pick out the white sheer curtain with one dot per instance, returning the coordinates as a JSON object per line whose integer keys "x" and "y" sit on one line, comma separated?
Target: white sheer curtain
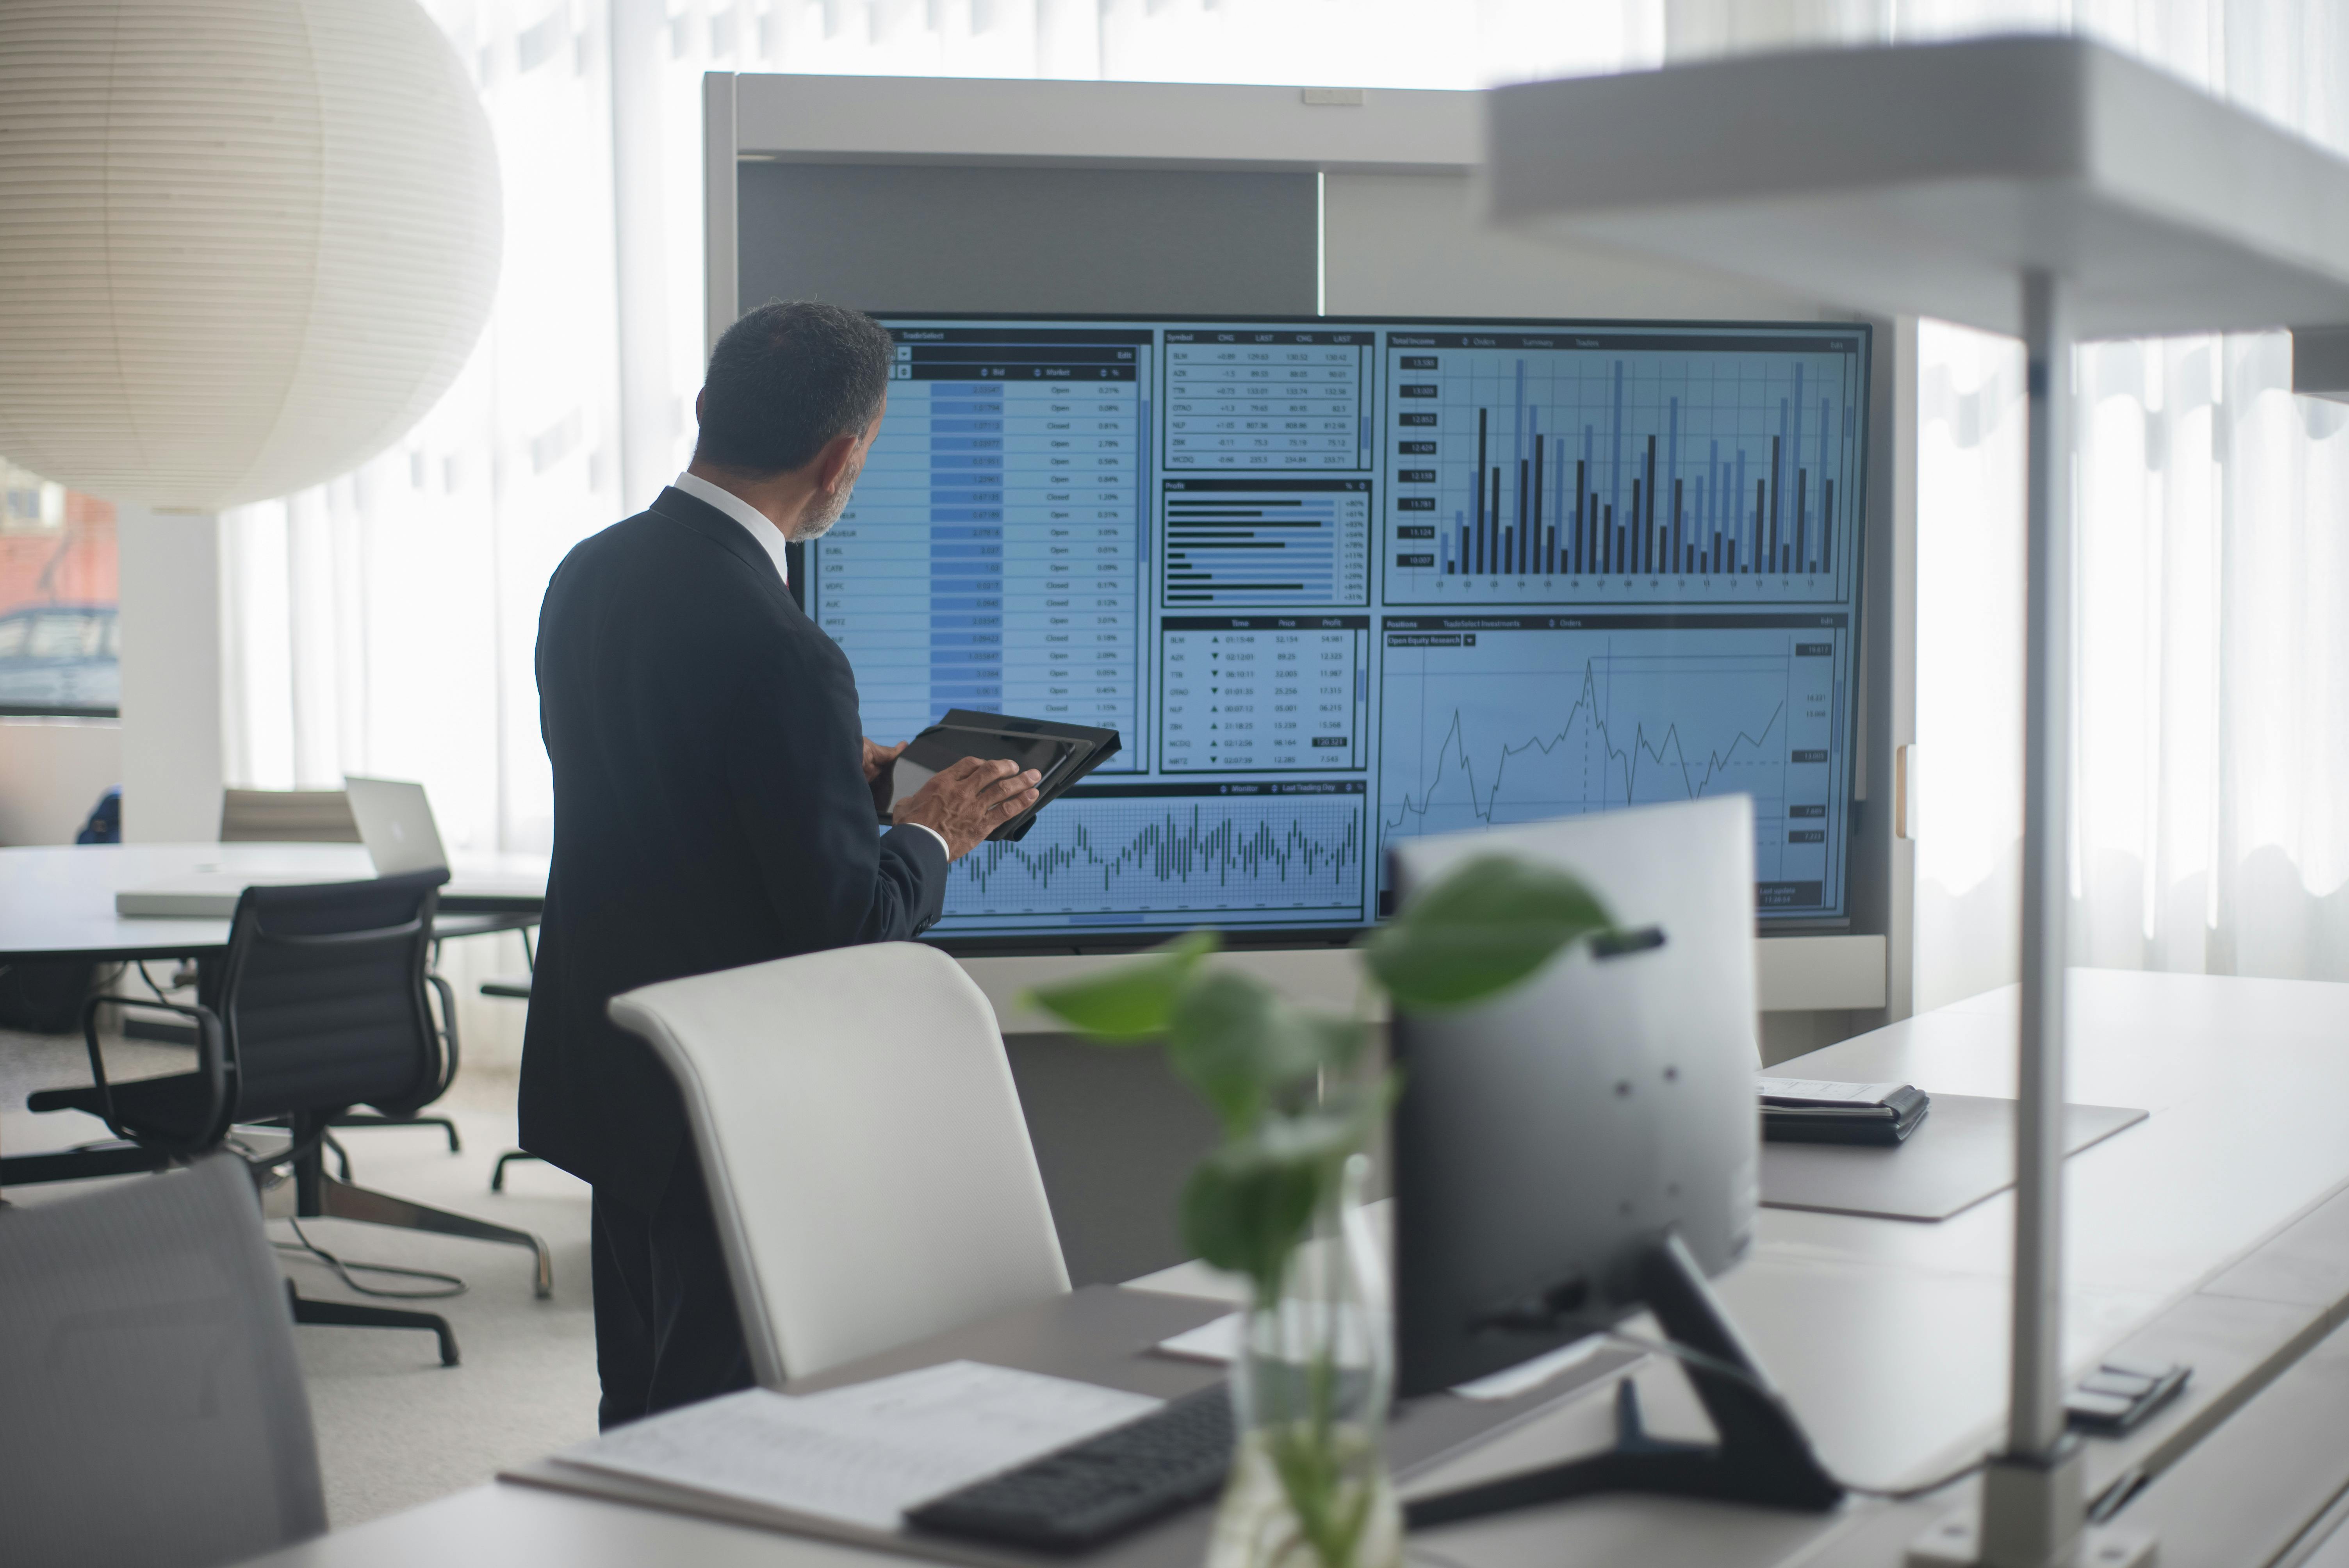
{"x": 384, "y": 623}
{"x": 2210, "y": 827}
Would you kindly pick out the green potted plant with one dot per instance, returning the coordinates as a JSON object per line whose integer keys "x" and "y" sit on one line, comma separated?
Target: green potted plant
{"x": 1278, "y": 1202}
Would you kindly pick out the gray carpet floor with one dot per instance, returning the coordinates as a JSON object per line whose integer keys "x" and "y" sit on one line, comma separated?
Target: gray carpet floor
{"x": 395, "y": 1427}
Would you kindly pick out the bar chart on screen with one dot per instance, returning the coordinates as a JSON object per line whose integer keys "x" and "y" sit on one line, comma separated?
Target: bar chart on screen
{"x": 1266, "y": 541}
{"x": 1650, "y": 465}
{"x": 1493, "y": 720}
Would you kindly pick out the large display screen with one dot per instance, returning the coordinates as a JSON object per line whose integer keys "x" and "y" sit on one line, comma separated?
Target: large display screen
{"x": 1340, "y": 581}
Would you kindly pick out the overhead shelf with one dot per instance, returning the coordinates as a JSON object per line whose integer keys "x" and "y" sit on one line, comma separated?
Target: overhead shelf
{"x": 1925, "y": 179}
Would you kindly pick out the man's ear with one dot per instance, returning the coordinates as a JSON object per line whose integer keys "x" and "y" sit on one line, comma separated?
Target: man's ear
{"x": 700, "y": 401}
{"x": 835, "y": 461}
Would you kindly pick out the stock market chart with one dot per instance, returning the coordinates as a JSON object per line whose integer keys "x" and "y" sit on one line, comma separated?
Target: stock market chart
{"x": 1246, "y": 854}
{"x": 1636, "y": 467}
{"x": 1340, "y": 583}
{"x": 1522, "y": 718}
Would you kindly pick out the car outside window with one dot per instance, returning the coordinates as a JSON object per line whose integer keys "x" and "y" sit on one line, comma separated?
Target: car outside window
{"x": 65, "y": 637}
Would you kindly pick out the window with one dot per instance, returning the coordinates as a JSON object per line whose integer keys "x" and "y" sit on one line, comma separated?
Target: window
{"x": 59, "y": 642}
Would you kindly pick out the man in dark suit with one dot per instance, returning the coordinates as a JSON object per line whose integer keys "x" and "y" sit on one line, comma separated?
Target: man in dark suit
{"x": 715, "y": 805}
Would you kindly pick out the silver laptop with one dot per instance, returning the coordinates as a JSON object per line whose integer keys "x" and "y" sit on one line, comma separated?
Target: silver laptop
{"x": 396, "y": 824}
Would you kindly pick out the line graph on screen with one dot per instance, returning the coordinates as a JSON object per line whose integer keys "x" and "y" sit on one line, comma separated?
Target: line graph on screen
{"x": 1628, "y": 764}
{"x": 1147, "y": 853}
{"x": 1516, "y": 724}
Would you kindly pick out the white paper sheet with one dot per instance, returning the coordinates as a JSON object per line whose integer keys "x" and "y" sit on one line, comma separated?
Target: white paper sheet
{"x": 1218, "y": 1341}
{"x": 865, "y": 1453}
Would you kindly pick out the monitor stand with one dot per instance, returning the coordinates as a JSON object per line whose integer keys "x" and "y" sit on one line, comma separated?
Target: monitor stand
{"x": 1761, "y": 1458}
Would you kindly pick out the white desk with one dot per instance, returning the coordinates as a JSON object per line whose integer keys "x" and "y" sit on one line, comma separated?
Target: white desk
{"x": 1889, "y": 1337}
{"x": 58, "y": 903}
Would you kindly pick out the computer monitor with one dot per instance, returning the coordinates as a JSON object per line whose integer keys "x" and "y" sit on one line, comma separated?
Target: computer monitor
{"x": 1341, "y": 583}
{"x": 1586, "y": 1146}
{"x": 1543, "y": 1137}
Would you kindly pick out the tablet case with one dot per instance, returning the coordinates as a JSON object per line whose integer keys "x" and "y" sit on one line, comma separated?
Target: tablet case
{"x": 1888, "y": 1122}
{"x": 1061, "y": 753}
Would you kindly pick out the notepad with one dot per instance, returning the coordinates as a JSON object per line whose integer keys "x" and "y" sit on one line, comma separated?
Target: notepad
{"x": 864, "y": 1454}
{"x": 1824, "y": 1091}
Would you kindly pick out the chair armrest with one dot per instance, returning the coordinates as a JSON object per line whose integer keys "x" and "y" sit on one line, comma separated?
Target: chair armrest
{"x": 449, "y": 1062}
{"x": 212, "y": 1063}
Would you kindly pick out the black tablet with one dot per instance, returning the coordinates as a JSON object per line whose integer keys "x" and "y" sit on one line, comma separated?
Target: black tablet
{"x": 1060, "y": 753}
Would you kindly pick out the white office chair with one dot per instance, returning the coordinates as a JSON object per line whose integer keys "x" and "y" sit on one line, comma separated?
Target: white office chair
{"x": 862, "y": 1139}
{"x": 155, "y": 1412}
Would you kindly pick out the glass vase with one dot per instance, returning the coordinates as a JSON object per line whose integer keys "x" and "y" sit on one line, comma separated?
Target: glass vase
{"x": 1310, "y": 1487}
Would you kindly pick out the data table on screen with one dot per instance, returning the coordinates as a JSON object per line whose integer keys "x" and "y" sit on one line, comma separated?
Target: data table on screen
{"x": 1155, "y": 854}
{"x": 1245, "y": 399}
{"x": 992, "y": 556}
{"x": 1266, "y": 542}
{"x": 1493, "y": 720}
{"x": 1263, "y": 693}
{"x": 1648, "y": 466}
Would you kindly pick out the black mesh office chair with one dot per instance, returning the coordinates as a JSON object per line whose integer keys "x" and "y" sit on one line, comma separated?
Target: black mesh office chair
{"x": 324, "y": 817}
{"x": 319, "y": 1006}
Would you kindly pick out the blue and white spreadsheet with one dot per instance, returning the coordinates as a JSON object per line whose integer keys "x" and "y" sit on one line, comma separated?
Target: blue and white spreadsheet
{"x": 1337, "y": 582}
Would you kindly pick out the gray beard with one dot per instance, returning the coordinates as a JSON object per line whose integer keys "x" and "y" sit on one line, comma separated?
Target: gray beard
{"x": 815, "y": 524}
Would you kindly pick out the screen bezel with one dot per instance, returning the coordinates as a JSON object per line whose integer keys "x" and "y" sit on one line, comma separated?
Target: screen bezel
{"x": 1133, "y": 939}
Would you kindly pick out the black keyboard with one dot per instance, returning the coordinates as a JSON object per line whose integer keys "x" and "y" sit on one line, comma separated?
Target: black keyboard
{"x": 1105, "y": 1486}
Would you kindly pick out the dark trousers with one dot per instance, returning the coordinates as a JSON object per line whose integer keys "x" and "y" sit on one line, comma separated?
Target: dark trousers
{"x": 666, "y": 1330}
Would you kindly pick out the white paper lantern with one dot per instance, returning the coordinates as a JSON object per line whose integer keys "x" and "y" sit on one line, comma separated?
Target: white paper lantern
{"x": 244, "y": 244}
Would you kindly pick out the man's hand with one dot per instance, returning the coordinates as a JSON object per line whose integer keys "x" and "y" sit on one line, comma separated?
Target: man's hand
{"x": 970, "y": 800}
{"x": 877, "y": 762}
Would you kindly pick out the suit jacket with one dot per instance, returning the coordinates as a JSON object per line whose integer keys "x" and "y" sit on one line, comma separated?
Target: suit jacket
{"x": 710, "y": 811}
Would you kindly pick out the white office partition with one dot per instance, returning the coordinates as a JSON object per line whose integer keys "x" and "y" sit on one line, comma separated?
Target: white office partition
{"x": 1009, "y": 238}
{"x": 946, "y": 195}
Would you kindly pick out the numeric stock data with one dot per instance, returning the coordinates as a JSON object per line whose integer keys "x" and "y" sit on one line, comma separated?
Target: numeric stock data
{"x": 992, "y": 556}
{"x": 1266, "y": 399}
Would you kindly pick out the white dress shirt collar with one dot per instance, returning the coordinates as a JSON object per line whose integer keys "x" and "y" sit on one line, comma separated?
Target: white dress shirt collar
{"x": 769, "y": 537}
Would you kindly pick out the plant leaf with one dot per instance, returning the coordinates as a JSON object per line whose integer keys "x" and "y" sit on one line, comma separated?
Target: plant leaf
{"x": 1234, "y": 1040}
{"x": 1225, "y": 1039}
{"x": 1484, "y": 926}
{"x": 1246, "y": 1216}
{"x": 1250, "y": 1203}
{"x": 1133, "y": 1002}
{"x": 1337, "y": 1042}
